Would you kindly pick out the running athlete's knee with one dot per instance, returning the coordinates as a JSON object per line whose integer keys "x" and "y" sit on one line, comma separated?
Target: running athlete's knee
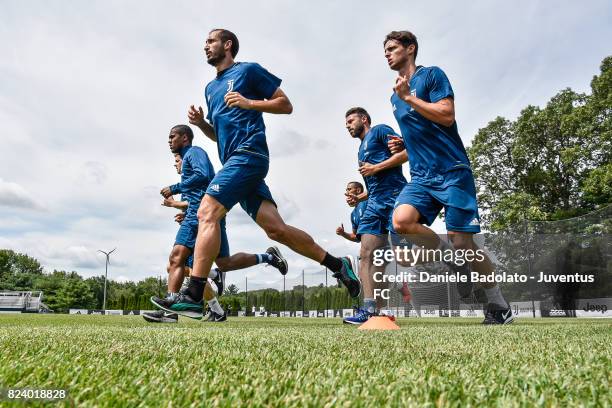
{"x": 206, "y": 216}
{"x": 461, "y": 240}
{"x": 405, "y": 226}
{"x": 223, "y": 263}
{"x": 210, "y": 211}
{"x": 365, "y": 254}
{"x": 174, "y": 260}
{"x": 277, "y": 232}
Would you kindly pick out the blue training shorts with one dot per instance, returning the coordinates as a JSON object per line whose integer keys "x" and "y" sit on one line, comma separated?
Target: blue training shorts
{"x": 454, "y": 191}
{"x": 241, "y": 180}
{"x": 377, "y": 218}
{"x": 188, "y": 231}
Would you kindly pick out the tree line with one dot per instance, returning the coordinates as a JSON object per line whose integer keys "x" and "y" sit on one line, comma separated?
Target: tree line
{"x": 64, "y": 290}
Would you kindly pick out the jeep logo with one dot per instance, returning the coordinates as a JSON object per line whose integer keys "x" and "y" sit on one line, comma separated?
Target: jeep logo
{"x": 595, "y": 308}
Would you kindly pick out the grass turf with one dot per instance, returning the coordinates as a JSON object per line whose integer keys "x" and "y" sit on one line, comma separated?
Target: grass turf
{"x": 124, "y": 361}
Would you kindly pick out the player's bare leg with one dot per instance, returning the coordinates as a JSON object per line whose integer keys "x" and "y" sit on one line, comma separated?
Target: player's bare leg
{"x": 369, "y": 243}
{"x": 406, "y": 222}
{"x": 272, "y": 223}
{"x": 176, "y": 267}
{"x": 299, "y": 241}
{"x": 238, "y": 260}
{"x": 208, "y": 241}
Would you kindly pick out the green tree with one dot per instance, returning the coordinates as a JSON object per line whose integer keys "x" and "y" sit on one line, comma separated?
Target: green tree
{"x": 18, "y": 271}
{"x": 550, "y": 163}
{"x": 231, "y": 290}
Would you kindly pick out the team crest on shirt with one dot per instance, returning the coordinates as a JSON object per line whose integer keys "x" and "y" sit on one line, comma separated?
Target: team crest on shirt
{"x": 412, "y": 93}
{"x": 230, "y": 85}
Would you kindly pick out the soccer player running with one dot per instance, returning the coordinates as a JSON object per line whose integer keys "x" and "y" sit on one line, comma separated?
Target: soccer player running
{"x": 236, "y": 99}
{"x": 382, "y": 173}
{"x": 211, "y": 290}
{"x": 355, "y": 198}
{"x": 196, "y": 173}
{"x": 441, "y": 176}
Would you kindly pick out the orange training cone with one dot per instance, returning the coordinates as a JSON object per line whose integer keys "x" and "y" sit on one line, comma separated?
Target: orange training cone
{"x": 379, "y": 323}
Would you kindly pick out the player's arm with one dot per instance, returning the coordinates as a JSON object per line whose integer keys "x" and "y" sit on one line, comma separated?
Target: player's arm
{"x": 351, "y": 236}
{"x": 361, "y": 197}
{"x": 172, "y": 203}
{"x": 354, "y": 199}
{"x": 278, "y": 103}
{"x": 196, "y": 117}
{"x": 369, "y": 169}
{"x": 199, "y": 177}
{"x": 441, "y": 112}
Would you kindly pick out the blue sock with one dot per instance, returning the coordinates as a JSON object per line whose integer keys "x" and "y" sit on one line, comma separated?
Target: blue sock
{"x": 261, "y": 258}
{"x": 369, "y": 305}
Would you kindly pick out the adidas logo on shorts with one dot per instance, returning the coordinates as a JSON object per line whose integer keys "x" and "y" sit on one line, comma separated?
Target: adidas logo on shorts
{"x": 215, "y": 187}
{"x": 475, "y": 222}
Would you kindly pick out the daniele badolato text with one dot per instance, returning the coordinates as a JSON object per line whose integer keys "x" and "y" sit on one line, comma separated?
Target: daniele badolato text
{"x": 420, "y": 256}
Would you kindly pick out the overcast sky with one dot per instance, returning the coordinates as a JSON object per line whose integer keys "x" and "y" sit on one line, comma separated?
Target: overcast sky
{"x": 89, "y": 90}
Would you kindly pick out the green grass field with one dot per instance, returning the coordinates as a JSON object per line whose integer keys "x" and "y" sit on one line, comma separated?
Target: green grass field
{"x": 124, "y": 361}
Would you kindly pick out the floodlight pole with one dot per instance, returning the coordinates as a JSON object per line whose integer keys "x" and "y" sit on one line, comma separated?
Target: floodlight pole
{"x": 326, "y": 293}
{"x": 105, "y": 277}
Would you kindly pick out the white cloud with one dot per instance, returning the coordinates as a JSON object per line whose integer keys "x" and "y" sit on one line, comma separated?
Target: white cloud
{"x": 95, "y": 172}
{"x": 13, "y": 195}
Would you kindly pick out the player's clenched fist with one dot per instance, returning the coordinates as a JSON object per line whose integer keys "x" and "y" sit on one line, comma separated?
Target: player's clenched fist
{"x": 340, "y": 230}
{"x": 196, "y": 116}
{"x": 235, "y": 99}
{"x": 166, "y": 192}
{"x": 402, "y": 87}
{"x": 395, "y": 145}
{"x": 351, "y": 199}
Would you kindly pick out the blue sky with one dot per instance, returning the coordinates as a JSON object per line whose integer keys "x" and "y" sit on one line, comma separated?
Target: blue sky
{"x": 89, "y": 90}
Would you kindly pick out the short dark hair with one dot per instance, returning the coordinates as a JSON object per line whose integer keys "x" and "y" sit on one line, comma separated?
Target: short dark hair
{"x": 227, "y": 35}
{"x": 360, "y": 111}
{"x": 357, "y": 184}
{"x": 405, "y": 38}
{"x": 184, "y": 130}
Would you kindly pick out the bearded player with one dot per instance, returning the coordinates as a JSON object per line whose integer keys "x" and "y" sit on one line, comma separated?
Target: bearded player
{"x": 382, "y": 174}
{"x": 236, "y": 100}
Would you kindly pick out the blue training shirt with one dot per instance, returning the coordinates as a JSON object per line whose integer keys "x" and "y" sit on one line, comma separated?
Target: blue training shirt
{"x": 374, "y": 149}
{"x": 237, "y": 129}
{"x": 196, "y": 173}
{"x": 433, "y": 149}
{"x": 357, "y": 213}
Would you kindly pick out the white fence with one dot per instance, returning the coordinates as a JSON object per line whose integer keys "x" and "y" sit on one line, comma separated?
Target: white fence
{"x": 585, "y": 308}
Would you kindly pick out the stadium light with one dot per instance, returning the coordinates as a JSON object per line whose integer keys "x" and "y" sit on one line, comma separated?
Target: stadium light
{"x": 105, "y": 276}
